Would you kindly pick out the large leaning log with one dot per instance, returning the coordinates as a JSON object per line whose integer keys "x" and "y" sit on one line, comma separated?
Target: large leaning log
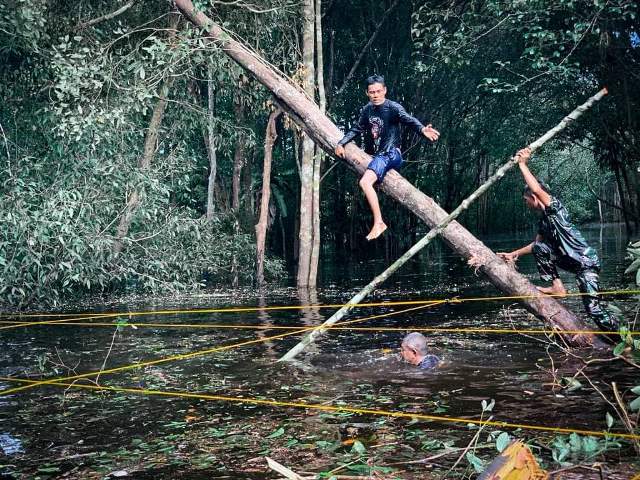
{"x": 437, "y": 230}
{"x": 326, "y": 134}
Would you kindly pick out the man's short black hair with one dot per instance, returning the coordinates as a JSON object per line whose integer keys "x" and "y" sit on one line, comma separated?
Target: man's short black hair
{"x": 528, "y": 193}
{"x": 375, "y": 79}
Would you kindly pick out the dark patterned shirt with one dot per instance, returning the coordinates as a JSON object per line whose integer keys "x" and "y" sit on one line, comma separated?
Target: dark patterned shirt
{"x": 557, "y": 230}
{"x": 381, "y": 125}
{"x": 429, "y": 362}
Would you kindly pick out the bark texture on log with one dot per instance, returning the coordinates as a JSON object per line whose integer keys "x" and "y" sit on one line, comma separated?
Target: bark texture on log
{"x": 326, "y": 134}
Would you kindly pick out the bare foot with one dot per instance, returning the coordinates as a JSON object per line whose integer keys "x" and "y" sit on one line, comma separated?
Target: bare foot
{"x": 377, "y": 230}
{"x": 560, "y": 292}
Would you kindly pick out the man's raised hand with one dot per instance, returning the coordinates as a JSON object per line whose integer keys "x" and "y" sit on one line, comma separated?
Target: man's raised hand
{"x": 523, "y": 155}
{"x": 431, "y": 133}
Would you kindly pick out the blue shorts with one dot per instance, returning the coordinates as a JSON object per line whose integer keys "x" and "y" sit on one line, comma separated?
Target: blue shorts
{"x": 381, "y": 163}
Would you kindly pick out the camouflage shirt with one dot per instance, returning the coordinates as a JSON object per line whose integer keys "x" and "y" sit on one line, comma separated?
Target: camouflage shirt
{"x": 557, "y": 230}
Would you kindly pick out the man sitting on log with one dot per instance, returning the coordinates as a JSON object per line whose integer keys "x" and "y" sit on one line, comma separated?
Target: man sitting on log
{"x": 381, "y": 119}
{"x": 415, "y": 351}
{"x": 560, "y": 244}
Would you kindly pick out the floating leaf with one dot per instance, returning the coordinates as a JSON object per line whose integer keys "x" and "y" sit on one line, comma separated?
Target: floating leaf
{"x": 477, "y": 464}
{"x": 278, "y": 433}
{"x": 502, "y": 441}
{"x": 358, "y": 448}
{"x": 619, "y": 349}
{"x": 609, "y": 420}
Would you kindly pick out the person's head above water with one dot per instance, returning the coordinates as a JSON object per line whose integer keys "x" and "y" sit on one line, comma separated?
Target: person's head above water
{"x": 414, "y": 348}
{"x": 376, "y": 89}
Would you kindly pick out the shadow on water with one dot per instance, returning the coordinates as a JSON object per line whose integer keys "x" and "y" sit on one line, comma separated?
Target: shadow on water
{"x": 85, "y": 434}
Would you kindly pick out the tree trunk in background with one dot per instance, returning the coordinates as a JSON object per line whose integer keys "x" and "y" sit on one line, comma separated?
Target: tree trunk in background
{"x": 304, "y": 112}
{"x": 247, "y": 216}
{"x": 623, "y": 200}
{"x": 238, "y": 155}
{"x": 238, "y": 161}
{"x": 211, "y": 143}
{"x": 261, "y": 227}
{"x": 307, "y": 158}
{"x": 319, "y": 154}
{"x": 150, "y": 146}
{"x": 483, "y": 175}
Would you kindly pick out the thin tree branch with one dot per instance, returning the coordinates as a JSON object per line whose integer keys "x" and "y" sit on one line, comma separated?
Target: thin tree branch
{"x": 108, "y": 16}
{"x": 355, "y": 66}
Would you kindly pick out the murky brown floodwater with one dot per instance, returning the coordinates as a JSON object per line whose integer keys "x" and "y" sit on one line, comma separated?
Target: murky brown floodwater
{"x": 51, "y": 432}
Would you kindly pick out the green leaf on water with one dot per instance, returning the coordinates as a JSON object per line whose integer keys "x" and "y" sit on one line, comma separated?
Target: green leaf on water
{"x": 619, "y": 349}
{"x": 358, "y": 448}
{"x": 636, "y": 389}
{"x": 477, "y": 464}
{"x": 609, "y": 419}
{"x": 502, "y": 441}
{"x": 48, "y": 469}
{"x": 487, "y": 407}
{"x": 576, "y": 442}
{"x": 590, "y": 445}
{"x": 635, "y": 405}
{"x": 278, "y": 433}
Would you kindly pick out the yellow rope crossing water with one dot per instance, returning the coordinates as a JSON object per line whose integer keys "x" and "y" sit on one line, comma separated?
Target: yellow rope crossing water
{"x": 222, "y": 326}
{"x": 336, "y": 408}
{"x": 303, "y": 307}
{"x": 62, "y": 381}
{"x": 76, "y": 317}
{"x": 208, "y": 351}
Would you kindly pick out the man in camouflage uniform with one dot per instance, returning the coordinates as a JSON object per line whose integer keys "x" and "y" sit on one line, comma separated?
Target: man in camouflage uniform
{"x": 560, "y": 244}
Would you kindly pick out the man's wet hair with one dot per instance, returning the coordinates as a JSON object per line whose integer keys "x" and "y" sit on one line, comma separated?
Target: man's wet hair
{"x": 375, "y": 79}
{"x": 527, "y": 190}
{"x": 417, "y": 342}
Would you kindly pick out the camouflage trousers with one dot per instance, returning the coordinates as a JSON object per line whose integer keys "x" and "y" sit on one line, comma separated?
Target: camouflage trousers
{"x": 587, "y": 279}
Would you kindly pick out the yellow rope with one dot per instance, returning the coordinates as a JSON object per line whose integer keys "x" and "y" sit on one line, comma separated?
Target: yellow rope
{"x": 302, "y": 307}
{"x": 356, "y": 329}
{"x": 201, "y": 352}
{"x": 332, "y": 408}
{"x": 45, "y": 322}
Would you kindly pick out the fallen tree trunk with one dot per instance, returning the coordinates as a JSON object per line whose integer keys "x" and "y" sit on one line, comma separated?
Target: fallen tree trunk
{"x": 307, "y": 114}
{"x": 435, "y": 231}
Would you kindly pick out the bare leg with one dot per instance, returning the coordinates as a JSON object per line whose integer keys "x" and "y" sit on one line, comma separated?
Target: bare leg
{"x": 366, "y": 183}
{"x": 556, "y": 288}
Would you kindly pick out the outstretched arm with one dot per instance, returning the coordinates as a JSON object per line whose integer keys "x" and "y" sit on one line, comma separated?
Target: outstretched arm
{"x": 406, "y": 119}
{"x": 513, "y": 256}
{"x": 523, "y": 157}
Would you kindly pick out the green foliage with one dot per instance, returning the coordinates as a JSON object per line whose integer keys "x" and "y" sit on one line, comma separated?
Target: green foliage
{"x": 579, "y": 447}
{"x": 475, "y": 462}
{"x": 75, "y": 108}
{"x": 634, "y": 405}
{"x": 503, "y": 440}
{"x": 634, "y": 255}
